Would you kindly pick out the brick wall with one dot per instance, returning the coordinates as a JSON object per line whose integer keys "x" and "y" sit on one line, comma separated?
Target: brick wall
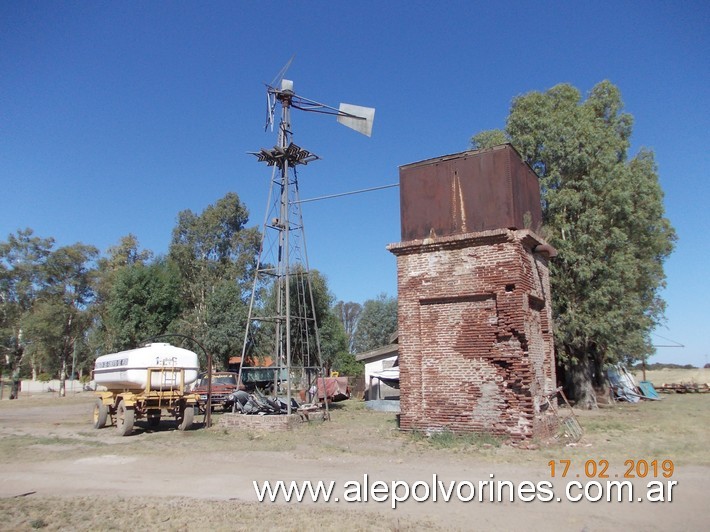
{"x": 256, "y": 422}
{"x": 475, "y": 338}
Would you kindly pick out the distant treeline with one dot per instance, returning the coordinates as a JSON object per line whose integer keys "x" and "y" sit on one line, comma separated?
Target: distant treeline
{"x": 660, "y": 365}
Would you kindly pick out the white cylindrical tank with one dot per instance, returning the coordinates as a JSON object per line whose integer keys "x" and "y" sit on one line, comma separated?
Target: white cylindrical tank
{"x": 128, "y": 370}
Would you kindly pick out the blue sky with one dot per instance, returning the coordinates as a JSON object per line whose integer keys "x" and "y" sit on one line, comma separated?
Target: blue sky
{"x": 115, "y": 116}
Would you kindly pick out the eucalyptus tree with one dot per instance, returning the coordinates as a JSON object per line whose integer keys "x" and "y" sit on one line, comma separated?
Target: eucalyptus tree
{"x": 144, "y": 301}
{"x": 212, "y": 250}
{"x": 604, "y": 213}
{"x": 45, "y": 294}
{"x": 22, "y": 260}
{"x": 308, "y": 318}
{"x": 332, "y": 336}
{"x": 103, "y": 337}
{"x": 377, "y": 323}
{"x": 60, "y": 320}
{"x": 348, "y": 314}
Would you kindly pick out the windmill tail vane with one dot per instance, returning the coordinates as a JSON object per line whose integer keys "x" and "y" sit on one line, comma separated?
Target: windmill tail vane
{"x": 355, "y": 117}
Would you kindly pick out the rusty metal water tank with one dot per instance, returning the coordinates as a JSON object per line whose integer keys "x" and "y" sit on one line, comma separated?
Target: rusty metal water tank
{"x": 469, "y": 192}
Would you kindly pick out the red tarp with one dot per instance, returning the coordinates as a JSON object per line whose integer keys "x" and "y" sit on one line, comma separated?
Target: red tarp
{"x": 336, "y": 388}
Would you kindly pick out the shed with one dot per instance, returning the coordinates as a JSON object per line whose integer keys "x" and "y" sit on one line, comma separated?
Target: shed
{"x": 376, "y": 361}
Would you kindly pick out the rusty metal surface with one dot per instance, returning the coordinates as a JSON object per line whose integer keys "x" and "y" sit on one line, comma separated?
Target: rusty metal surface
{"x": 469, "y": 192}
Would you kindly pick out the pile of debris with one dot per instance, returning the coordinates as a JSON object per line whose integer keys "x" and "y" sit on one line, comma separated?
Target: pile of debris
{"x": 623, "y": 386}
{"x": 327, "y": 390}
{"x": 259, "y": 404}
{"x": 570, "y": 431}
{"x": 685, "y": 387}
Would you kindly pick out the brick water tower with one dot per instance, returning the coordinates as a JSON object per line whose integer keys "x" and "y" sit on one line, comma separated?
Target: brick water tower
{"x": 475, "y": 324}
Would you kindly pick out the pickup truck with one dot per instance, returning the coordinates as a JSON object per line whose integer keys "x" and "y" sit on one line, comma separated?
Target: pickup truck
{"x": 224, "y": 383}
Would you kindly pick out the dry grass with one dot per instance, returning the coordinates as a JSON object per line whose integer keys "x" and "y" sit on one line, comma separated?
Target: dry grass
{"x": 679, "y": 424}
{"x": 676, "y": 427}
{"x": 46, "y": 428}
{"x": 126, "y": 513}
{"x": 675, "y": 376}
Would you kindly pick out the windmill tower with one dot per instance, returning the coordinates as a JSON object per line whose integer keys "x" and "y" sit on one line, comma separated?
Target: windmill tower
{"x": 282, "y": 323}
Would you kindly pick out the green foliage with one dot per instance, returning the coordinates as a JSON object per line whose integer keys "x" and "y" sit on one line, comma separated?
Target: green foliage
{"x": 64, "y": 305}
{"x": 225, "y": 322}
{"x": 331, "y": 335}
{"x": 346, "y": 364}
{"x": 214, "y": 246}
{"x": 604, "y": 214}
{"x": 143, "y": 302}
{"x": 44, "y": 296}
{"x": 126, "y": 253}
{"x": 488, "y": 139}
{"x": 102, "y": 334}
{"x": 209, "y": 250}
{"x": 446, "y": 439}
{"x": 333, "y": 342}
{"x": 38, "y": 523}
{"x": 44, "y": 327}
{"x": 661, "y": 365}
{"x": 22, "y": 260}
{"x": 348, "y": 314}
{"x": 377, "y": 323}
{"x": 63, "y": 309}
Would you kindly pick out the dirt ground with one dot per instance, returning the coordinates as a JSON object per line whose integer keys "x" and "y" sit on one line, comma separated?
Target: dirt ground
{"x": 57, "y": 472}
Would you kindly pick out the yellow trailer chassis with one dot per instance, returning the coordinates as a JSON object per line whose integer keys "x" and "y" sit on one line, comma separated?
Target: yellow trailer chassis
{"x": 124, "y": 407}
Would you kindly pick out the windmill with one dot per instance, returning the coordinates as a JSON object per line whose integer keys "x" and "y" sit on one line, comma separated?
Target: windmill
{"x": 284, "y": 326}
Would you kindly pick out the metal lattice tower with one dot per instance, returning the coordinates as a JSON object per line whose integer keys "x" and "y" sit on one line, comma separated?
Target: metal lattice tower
{"x": 282, "y": 322}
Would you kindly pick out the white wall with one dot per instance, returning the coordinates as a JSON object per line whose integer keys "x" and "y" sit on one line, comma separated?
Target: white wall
{"x": 379, "y": 390}
{"x": 30, "y": 386}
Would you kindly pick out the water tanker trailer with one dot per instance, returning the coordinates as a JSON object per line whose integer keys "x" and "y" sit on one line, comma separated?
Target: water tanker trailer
{"x": 145, "y": 383}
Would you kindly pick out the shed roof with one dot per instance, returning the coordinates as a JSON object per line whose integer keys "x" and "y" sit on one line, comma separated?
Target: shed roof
{"x": 386, "y": 351}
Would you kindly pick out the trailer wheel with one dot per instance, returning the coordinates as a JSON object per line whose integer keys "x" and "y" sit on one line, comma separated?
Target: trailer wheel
{"x": 100, "y": 414}
{"x": 124, "y": 419}
{"x": 187, "y": 415}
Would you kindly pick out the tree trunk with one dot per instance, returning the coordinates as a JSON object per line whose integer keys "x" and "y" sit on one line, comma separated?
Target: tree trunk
{"x": 63, "y": 379}
{"x": 581, "y": 384}
{"x": 16, "y": 380}
{"x": 601, "y": 385}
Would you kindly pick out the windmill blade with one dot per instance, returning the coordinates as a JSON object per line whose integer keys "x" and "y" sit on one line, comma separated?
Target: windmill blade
{"x": 357, "y": 117}
{"x": 270, "y": 104}
{"x": 271, "y": 98}
{"x": 277, "y": 80}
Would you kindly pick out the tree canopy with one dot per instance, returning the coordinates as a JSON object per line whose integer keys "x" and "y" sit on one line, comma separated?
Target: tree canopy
{"x": 604, "y": 213}
{"x": 143, "y": 303}
{"x": 348, "y": 314}
{"x": 69, "y": 304}
{"x": 377, "y": 323}
{"x": 215, "y": 255}
{"x": 62, "y": 307}
{"x": 44, "y": 300}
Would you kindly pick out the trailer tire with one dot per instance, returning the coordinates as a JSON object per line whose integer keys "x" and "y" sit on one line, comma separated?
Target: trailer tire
{"x": 100, "y": 414}
{"x": 124, "y": 419}
{"x": 187, "y": 416}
